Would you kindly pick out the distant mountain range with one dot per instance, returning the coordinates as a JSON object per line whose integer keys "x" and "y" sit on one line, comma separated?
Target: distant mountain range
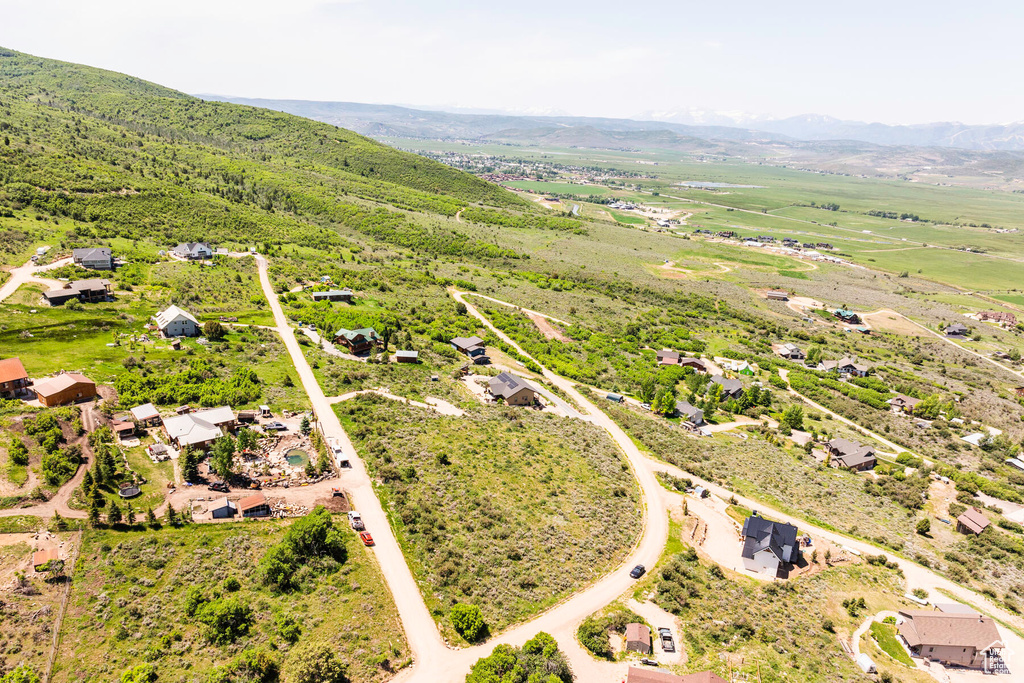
{"x": 394, "y": 121}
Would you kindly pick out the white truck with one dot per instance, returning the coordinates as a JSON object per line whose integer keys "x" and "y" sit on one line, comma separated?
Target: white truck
{"x": 356, "y": 521}
{"x": 338, "y": 452}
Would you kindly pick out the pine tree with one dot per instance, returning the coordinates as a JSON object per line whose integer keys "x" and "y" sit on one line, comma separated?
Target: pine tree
{"x": 189, "y": 465}
{"x": 94, "y": 516}
{"x": 58, "y": 522}
{"x": 87, "y": 484}
{"x": 114, "y": 514}
{"x": 130, "y": 515}
{"x": 97, "y": 474}
{"x": 150, "y": 518}
{"x": 172, "y": 517}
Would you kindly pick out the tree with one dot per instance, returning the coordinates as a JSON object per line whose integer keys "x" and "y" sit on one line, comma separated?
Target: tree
{"x": 538, "y": 660}
{"x": 130, "y": 515}
{"x": 222, "y": 460}
{"x": 246, "y": 439}
{"x": 467, "y": 621}
{"x": 143, "y": 673}
{"x": 924, "y": 526}
{"x": 87, "y": 484}
{"x": 58, "y": 523}
{"x": 94, "y": 515}
{"x": 114, "y": 514}
{"x": 225, "y": 619}
{"x": 189, "y": 464}
{"x": 304, "y": 426}
{"x": 213, "y": 330}
{"x": 793, "y": 417}
{"x": 315, "y": 663}
{"x": 664, "y": 401}
{"x": 21, "y": 674}
{"x": 646, "y": 392}
{"x": 151, "y": 518}
{"x": 172, "y": 516}
{"x": 18, "y": 452}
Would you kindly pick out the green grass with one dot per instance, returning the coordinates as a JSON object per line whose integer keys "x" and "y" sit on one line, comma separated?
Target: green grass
{"x": 558, "y": 188}
{"x": 127, "y": 600}
{"x": 885, "y": 636}
{"x": 627, "y": 218}
{"x": 548, "y": 500}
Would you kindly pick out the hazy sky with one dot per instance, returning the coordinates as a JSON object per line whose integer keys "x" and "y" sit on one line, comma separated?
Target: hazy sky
{"x": 893, "y": 61}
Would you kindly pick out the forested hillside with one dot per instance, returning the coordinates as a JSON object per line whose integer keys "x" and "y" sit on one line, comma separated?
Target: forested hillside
{"x": 123, "y": 157}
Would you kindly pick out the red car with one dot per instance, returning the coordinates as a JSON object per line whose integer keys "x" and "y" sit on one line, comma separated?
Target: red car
{"x": 366, "y": 538}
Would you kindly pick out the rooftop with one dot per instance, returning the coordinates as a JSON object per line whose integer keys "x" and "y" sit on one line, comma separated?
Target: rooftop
{"x": 11, "y": 369}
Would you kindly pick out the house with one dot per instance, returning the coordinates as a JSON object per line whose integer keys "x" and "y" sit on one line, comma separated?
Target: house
{"x": 1019, "y": 391}
{"x": 975, "y": 439}
{"x": 788, "y": 351}
{"x": 731, "y": 388}
{"x": 146, "y": 415}
{"x": 222, "y": 508}
{"x": 846, "y": 316}
{"x": 96, "y": 258}
{"x": 66, "y": 388}
{"x": 125, "y": 429}
{"x": 689, "y": 413}
{"x": 405, "y": 356}
{"x": 175, "y": 322}
{"x": 515, "y": 391}
{"x": 469, "y": 346}
{"x": 698, "y": 364}
{"x": 13, "y": 378}
{"x": 357, "y": 341}
{"x": 42, "y": 558}
{"x": 193, "y": 251}
{"x": 334, "y": 295}
{"x": 254, "y": 506}
{"x": 1001, "y": 317}
{"x": 745, "y": 369}
{"x": 777, "y": 295}
{"x": 845, "y": 366}
{"x": 222, "y": 417}
{"x": 768, "y": 547}
{"x": 956, "y": 330}
{"x": 971, "y": 522}
{"x": 1015, "y": 462}
{"x": 850, "y": 455}
{"x": 86, "y": 291}
{"x": 637, "y": 675}
{"x": 190, "y": 429}
{"x": 638, "y": 638}
{"x": 961, "y": 639}
{"x": 666, "y": 357}
{"x": 903, "y": 403}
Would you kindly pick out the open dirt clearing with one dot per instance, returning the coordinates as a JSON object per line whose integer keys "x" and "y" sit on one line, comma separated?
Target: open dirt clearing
{"x": 547, "y": 329}
{"x": 889, "y": 321}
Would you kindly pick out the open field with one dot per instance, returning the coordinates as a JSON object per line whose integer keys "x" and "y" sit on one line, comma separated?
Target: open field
{"x": 130, "y": 605}
{"x": 504, "y": 508}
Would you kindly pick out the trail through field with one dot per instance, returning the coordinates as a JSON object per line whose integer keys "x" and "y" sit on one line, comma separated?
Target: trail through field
{"x": 546, "y": 328}
{"x": 439, "y": 405}
{"x": 458, "y": 216}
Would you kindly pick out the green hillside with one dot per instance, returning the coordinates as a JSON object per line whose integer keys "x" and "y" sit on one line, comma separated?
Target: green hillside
{"x": 130, "y": 158}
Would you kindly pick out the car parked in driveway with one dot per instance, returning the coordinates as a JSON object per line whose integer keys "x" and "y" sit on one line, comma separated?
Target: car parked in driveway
{"x": 366, "y": 538}
{"x": 638, "y": 571}
{"x": 667, "y": 643}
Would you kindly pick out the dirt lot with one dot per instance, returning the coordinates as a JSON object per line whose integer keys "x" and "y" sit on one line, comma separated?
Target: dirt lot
{"x": 888, "y": 321}
{"x": 547, "y": 329}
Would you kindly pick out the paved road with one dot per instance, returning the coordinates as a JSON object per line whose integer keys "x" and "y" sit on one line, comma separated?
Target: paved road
{"x": 26, "y": 273}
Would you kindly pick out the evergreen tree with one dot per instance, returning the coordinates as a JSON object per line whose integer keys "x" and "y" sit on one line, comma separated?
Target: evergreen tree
{"x": 97, "y": 474}
{"x": 304, "y": 426}
{"x": 130, "y": 515}
{"x": 189, "y": 464}
{"x": 172, "y": 516}
{"x": 58, "y": 522}
{"x": 150, "y": 518}
{"x": 87, "y": 484}
{"x": 223, "y": 456}
{"x": 94, "y": 516}
{"x": 114, "y": 514}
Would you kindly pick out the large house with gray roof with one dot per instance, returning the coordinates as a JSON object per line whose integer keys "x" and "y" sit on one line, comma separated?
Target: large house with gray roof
{"x": 94, "y": 258}
{"x": 769, "y": 547}
{"x": 515, "y": 391}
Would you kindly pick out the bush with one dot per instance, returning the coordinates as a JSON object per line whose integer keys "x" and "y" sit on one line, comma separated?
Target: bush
{"x": 143, "y": 673}
{"x": 467, "y": 621}
{"x": 225, "y": 619}
{"x": 924, "y": 526}
{"x": 310, "y": 540}
{"x": 315, "y": 663}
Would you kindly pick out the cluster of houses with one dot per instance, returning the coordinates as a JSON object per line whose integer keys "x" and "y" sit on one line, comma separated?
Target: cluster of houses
{"x": 63, "y": 389}
{"x": 847, "y": 365}
{"x": 667, "y": 357}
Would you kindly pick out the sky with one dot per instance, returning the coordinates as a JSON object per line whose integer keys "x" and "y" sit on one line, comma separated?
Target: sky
{"x": 893, "y": 62}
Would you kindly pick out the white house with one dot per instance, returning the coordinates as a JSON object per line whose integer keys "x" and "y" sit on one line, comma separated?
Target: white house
{"x": 174, "y": 322}
{"x": 194, "y": 251}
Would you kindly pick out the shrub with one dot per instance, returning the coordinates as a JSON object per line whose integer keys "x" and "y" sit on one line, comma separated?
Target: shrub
{"x": 225, "y": 619}
{"x": 315, "y": 663}
{"x": 924, "y": 526}
{"x": 467, "y": 621}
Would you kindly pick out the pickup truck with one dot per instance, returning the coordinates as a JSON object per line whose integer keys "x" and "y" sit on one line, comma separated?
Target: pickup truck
{"x": 667, "y": 644}
{"x": 356, "y": 521}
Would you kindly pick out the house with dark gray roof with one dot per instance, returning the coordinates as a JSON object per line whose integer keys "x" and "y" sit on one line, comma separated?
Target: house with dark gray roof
{"x": 515, "y": 391}
{"x": 344, "y": 294}
{"x": 690, "y": 413}
{"x": 850, "y": 455}
{"x": 731, "y": 388}
{"x": 769, "y": 547}
{"x": 86, "y": 291}
{"x": 473, "y": 347}
{"x": 956, "y": 330}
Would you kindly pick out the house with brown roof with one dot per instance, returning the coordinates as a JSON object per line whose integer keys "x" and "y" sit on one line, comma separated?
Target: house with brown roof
{"x": 255, "y": 505}
{"x": 956, "y": 638}
{"x": 666, "y": 357}
{"x": 972, "y": 522}
{"x": 777, "y": 295}
{"x": 638, "y": 638}
{"x": 903, "y": 403}
{"x": 357, "y": 341}
{"x": 1001, "y": 317}
{"x": 639, "y": 675}
{"x": 86, "y": 291}
{"x": 64, "y": 389}
{"x": 698, "y": 364}
{"x": 850, "y": 455}
{"x": 13, "y": 378}
{"x": 515, "y": 391}
{"x": 789, "y": 351}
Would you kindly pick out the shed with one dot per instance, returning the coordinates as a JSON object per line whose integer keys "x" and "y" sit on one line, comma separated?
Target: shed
{"x": 146, "y": 414}
{"x": 406, "y": 356}
{"x": 123, "y": 428}
{"x": 222, "y": 508}
{"x": 254, "y": 506}
{"x": 615, "y": 397}
{"x": 41, "y": 558}
{"x": 69, "y": 387}
{"x": 971, "y": 522}
{"x": 638, "y": 638}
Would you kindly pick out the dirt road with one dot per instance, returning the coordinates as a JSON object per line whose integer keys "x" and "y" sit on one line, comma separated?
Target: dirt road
{"x": 26, "y": 273}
